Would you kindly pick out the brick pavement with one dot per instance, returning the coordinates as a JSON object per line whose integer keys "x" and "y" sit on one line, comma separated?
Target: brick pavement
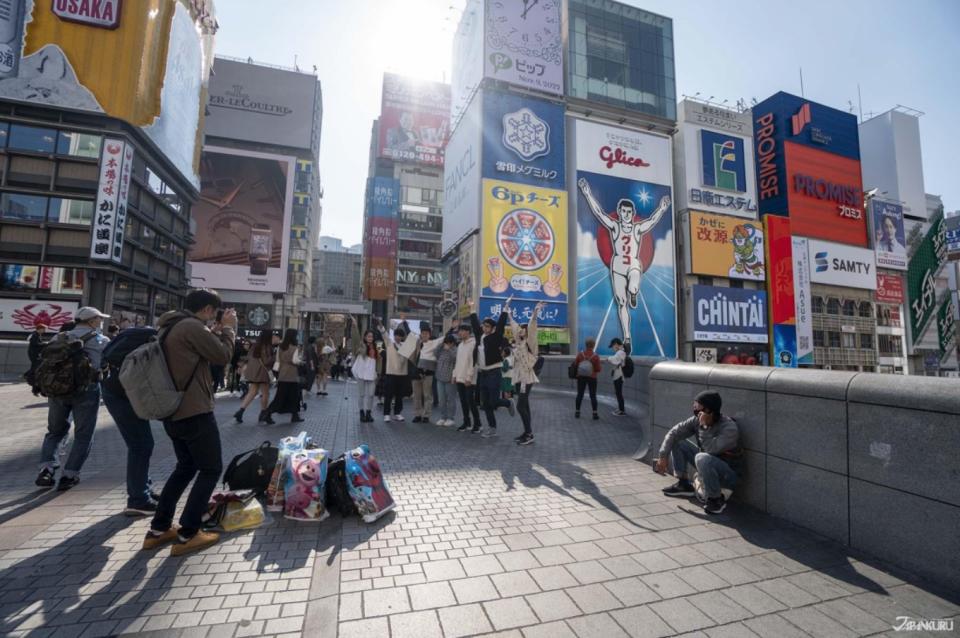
{"x": 568, "y": 537}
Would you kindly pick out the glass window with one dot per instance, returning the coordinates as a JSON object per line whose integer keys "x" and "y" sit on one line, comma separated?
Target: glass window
{"x": 834, "y": 339}
{"x": 866, "y": 309}
{"x": 849, "y": 308}
{"x": 816, "y": 305}
{"x": 25, "y": 207}
{"x": 78, "y": 144}
{"x": 705, "y": 281}
{"x": 141, "y": 295}
{"x": 146, "y": 235}
{"x": 61, "y": 281}
{"x": 833, "y": 306}
{"x": 19, "y": 277}
{"x": 141, "y": 262}
{"x": 849, "y": 340}
{"x": 164, "y": 218}
{"x": 32, "y": 138}
{"x": 866, "y": 341}
{"x": 818, "y": 338}
{"x": 71, "y": 211}
{"x": 4, "y": 133}
{"x": 736, "y": 283}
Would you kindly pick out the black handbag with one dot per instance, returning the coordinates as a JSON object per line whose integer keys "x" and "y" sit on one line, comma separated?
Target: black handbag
{"x": 251, "y": 470}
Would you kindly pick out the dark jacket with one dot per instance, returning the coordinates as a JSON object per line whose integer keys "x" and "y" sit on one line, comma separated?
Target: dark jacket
{"x": 35, "y": 346}
{"x": 722, "y": 439}
{"x": 492, "y": 343}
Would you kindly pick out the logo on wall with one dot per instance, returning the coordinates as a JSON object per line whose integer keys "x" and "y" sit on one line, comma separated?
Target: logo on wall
{"x": 526, "y": 134}
{"x": 104, "y": 14}
{"x": 822, "y": 264}
{"x": 237, "y": 100}
{"x": 525, "y": 239}
{"x": 801, "y": 118}
{"x": 724, "y": 164}
{"x": 258, "y": 316}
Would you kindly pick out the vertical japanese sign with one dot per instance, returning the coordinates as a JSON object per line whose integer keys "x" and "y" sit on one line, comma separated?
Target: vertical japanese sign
{"x": 921, "y": 278}
{"x": 380, "y": 242}
{"x": 116, "y": 160}
{"x": 801, "y": 292}
{"x": 946, "y": 326}
{"x": 783, "y": 312}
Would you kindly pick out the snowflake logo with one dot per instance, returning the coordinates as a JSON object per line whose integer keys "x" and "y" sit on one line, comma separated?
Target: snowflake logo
{"x": 526, "y": 134}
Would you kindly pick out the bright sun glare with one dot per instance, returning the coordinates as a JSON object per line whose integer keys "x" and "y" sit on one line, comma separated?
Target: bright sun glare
{"x": 414, "y": 37}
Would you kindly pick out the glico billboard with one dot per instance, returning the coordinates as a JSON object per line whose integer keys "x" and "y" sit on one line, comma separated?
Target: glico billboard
{"x": 808, "y": 168}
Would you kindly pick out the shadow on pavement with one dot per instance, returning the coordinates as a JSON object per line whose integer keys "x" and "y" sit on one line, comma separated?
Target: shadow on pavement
{"x": 26, "y": 503}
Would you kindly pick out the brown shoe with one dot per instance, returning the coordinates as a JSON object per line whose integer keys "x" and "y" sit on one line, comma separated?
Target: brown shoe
{"x": 200, "y": 540}
{"x": 153, "y": 541}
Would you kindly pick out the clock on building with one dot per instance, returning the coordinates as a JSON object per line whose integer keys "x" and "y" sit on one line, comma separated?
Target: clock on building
{"x": 529, "y": 29}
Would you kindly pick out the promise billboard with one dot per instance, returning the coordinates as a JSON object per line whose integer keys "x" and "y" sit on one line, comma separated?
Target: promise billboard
{"x": 414, "y": 120}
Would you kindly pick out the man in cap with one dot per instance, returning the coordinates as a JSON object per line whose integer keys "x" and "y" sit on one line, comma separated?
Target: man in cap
{"x": 715, "y": 455}
{"x": 84, "y": 405}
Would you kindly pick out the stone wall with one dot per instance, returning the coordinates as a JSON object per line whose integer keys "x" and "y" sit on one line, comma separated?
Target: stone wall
{"x": 870, "y": 460}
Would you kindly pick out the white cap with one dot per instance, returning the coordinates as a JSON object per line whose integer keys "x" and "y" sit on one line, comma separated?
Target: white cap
{"x": 89, "y": 312}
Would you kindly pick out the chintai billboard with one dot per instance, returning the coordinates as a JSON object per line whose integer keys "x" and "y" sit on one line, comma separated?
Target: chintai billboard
{"x": 625, "y": 249}
{"x": 243, "y": 220}
{"x": 729, "y": 314}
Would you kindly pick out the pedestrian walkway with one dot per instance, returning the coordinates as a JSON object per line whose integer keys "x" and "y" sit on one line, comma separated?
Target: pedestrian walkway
{"x": 567, "y": 537}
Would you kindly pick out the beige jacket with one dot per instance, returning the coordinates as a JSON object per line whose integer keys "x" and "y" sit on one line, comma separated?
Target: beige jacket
{"x": 190, "y": 349}
{"x": 288, "y": 372}
{"x": 524, "y": 357}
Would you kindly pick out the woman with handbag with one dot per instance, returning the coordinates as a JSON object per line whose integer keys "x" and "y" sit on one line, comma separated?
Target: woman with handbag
{"x": 257, "y": 374}
{"x": 287, "y": 398}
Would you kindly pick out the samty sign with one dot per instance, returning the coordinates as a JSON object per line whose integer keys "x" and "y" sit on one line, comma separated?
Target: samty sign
{"x": 96, "y": 13}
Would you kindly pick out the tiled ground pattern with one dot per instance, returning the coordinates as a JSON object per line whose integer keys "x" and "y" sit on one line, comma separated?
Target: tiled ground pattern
{"x": 568, "y": 537}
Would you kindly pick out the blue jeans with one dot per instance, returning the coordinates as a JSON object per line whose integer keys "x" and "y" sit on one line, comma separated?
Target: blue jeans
{"x": 84, "y": 406}
{"x": 139, "y": 439}
{"x": 713, "y": 471}
{"x": 489, "y": 382}
{"x": 447, "y": 396}
{"x": 196, "y": 442}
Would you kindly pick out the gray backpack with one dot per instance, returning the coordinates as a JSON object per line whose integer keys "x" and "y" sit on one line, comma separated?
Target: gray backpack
{"x": 146, "y": 378}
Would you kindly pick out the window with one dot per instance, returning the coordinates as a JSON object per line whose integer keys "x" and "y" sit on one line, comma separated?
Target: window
{"x": 61, "y": 281}
{"x": 848, "y": 340}
{"x": 890, "y": 345}
{"x": 32, "y": 138}
{"x": 19, "y": 277}
{"x": 866, "y": 309}
{"x": 833, "y": 306}
{"x": 834, "y": 339}
{"x": 849, "y": 308}
{"x": 24, "y": 207}
{"x": 818, "y": 339}
{"x": 816, "y": 305}
{"x": 71, "y": 211}
{"x": 705, "y": 281}
{"x": 78, "y": 144}
{"x": 866, "y": 341}
{"x": 4, "y": 134}
{"x": 736, "y": 283}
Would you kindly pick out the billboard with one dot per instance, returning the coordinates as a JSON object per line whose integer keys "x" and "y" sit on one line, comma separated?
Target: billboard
{"x": 524, "y": 44}
{"x": 524, "y": 243}
{"x": 842, "y": 265}
{"x": 625, "y": 250}
{"x": 924, "y": 265}
{"x": 380, "y": 278}
{"x": 467, "y": 67}
{"x": 784, "y": 119}
{"x": 726, "y": 247}
{"x": 951, "y": 234}
{"x": 825, "y": 195}
{"x": 461, "y": 177}
{"x": 946, "y": 325}
{"x": 889, "y": 241}
{"x": 889, "y": 289}
{"x": 22, "y": 315}
{"x": 552, "y": 314}
{"x": 523, "y": 140}
{"x": 802, "y": 301}
{"x": 243, "y": 220}
{"x": 783, "y": 311}
{"x": 729, "y": 314}
{"x": 414, "y": 120}
{"x": 110, "y": 216}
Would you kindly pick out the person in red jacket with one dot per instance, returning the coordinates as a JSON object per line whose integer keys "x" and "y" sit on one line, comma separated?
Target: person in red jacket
{"x": 587, "y": 365}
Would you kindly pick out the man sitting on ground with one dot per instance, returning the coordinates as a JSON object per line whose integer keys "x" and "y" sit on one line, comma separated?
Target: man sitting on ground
{"x": 715, "y": 455}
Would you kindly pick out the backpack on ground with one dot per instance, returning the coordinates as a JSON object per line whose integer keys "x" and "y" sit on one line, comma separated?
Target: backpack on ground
{"x": 65, "y": 368}
{"x": 585, "y": 367}
{"x": 628, "y": 368}
{"x": 146, "y": 378}
{"x": 336, "y": 494}
{"x": 251, "y": 470}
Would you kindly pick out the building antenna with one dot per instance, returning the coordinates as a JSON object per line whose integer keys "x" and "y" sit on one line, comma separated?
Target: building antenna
{"x": 860, "y": 102}
{"x": 801, "y": 82}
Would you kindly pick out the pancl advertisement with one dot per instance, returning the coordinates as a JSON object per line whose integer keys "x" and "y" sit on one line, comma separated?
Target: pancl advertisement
{"x": 243, "y": 220}
{"x": 889, "y": 240}
{"x": 414, "y": 120}
{"x": 461, "y": 177}
{"x": 726, "y": 247}
{"x": 625, "y": 250}
{"x": 729, "y": 314}
{"x": 524, "y": 242}
{"x": 523, "y": 140}
{"x": 842, "y": 265}
{"x": 783, "y": 311}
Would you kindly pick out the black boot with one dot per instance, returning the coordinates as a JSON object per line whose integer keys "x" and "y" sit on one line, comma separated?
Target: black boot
{"x": 369, "y": 417}
{"x": 363, "y": 416}
{"x": 296, "y": 418}
{"x": 238, "y": 415}
{"x": 265, "y": 417}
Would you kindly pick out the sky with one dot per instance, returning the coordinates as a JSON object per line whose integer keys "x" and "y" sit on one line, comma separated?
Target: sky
{"x": 898, "y": 52}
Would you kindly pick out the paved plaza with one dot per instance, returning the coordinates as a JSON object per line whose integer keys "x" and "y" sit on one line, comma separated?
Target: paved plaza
{"x": 567, "y": 537}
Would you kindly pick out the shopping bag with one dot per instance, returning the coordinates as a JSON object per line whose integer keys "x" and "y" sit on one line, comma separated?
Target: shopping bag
{"x": 233, "y": 511}
{"x": 366, "y": 484}
{"x": 304, "y": 486}
{"x": 275, "y": 490}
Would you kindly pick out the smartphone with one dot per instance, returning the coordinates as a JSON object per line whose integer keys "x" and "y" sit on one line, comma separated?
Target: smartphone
{"x": 220, "y": 316}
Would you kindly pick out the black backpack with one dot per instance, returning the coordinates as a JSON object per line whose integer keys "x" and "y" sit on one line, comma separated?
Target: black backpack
{"x": 627, "y": 368}
{"x": 538, "y": 366}
{"x": 251, "y": 470}
{"x": 65, "y": 368}
{"x": 335, "y": 489}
